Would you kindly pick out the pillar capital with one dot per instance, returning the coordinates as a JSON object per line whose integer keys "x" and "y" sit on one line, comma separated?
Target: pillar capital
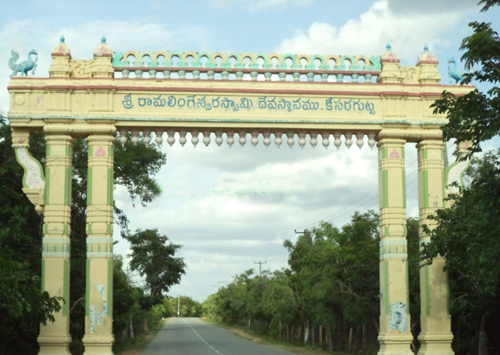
{"x": 81, "y": 129}
{"x": 431, "y": 142}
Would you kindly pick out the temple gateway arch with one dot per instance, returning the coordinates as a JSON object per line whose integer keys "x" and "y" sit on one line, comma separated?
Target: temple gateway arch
{"x": 226, "y": 93}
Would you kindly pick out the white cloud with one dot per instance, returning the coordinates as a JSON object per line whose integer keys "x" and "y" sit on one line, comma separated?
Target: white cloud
{"x": 432, "y": 6}
{"x": 260, "y": 5}
{"x": 369, "y": 34}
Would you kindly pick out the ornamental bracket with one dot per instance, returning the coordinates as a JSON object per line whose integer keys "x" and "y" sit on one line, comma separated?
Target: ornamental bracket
{"x": 455, "y": 172}
{"x": 33, "y": 178}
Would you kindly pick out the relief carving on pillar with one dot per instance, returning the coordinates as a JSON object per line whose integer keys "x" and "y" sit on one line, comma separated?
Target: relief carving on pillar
{"x": 398, "y": 316}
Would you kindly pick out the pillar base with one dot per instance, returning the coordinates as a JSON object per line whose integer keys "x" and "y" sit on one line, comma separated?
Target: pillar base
{"x": 98, "y": 344}
{"x": 395, "y": 344}
{"x": 435, "y": 344}
{"x": 54, "y": 345}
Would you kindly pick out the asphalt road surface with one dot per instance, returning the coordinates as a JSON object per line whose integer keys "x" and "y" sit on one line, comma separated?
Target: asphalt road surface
{"x": 191, "y": 336}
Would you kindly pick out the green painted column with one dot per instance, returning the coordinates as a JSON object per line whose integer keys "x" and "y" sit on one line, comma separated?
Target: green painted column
{"x": 98, "y": 337}
{"x": 435, "y": 336}
{"x": 395, "y": 336}
{"x": 54, "y": 337}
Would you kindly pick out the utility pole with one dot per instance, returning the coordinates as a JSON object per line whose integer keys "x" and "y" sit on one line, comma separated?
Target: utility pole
{"x": 178, "y": 306}
{"x": 260, "y": 265}
{"x": 299, "y": 232}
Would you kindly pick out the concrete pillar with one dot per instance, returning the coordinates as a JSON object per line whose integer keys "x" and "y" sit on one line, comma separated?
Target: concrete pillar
{"x": 54, "y": 337}
{"x": 98, "y": 337}
{"x": 395, "y": 336}
{"x": 435, "y": 337}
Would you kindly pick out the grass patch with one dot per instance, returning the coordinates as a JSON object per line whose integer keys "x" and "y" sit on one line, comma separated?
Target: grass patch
{"x": 133, "y": 346}
{"x": 249, "y": 335}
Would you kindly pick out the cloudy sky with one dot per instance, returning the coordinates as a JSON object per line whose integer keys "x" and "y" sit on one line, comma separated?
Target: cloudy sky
{"x": 231, "y": 207}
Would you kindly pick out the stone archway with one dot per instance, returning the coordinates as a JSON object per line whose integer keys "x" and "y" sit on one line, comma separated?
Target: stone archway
{"x": 227, "y": 93}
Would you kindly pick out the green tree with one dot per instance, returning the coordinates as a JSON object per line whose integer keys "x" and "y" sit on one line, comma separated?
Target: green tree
{"x": 125, "y": 299}
{"x": 467, "y": 235}
{"x": 475, "y": 116}
{"x": 209, "y": 307}
{"x": 154, "y": 259}
{"x": 330, "y": 293}
{"x": 413, "y": 238}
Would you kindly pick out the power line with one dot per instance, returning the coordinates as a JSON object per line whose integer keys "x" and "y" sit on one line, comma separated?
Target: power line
{"x": 359, "y": 199}
{"x": 336, "y": 214}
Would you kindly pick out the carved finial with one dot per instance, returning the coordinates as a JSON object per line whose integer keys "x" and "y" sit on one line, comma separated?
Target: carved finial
{"x": 389, "y": 55}
{"x": 61, "y": 48}
{"x": 428, "y": 62}
{"x": 427, "y": 57}
{"x": 103, "y": 49}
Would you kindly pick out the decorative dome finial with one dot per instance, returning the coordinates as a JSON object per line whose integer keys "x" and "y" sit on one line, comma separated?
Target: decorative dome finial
{"x": 61, "y": 48}
{"x": 389, "y": 55}
{"x": 427, "y": 57}
{"x": 103, "y": 50}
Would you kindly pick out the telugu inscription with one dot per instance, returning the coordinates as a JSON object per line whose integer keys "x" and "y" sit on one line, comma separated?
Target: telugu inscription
{"x": 260, "y": 103}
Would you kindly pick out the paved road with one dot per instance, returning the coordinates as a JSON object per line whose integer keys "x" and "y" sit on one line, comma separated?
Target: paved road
{"x": 191, "y": 336}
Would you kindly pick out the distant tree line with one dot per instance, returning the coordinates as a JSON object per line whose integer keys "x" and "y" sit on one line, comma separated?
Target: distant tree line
{"x": 329, "y": 294}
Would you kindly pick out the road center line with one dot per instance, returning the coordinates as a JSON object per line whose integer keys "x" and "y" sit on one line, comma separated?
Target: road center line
{"x": 203, "y": 340}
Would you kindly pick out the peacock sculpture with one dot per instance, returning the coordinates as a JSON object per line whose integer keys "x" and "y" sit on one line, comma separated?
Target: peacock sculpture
{"x": 23, "y": 67}
{"x": 453, "y": 73}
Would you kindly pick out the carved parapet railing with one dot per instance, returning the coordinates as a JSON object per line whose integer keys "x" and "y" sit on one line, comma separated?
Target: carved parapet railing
{"x": 246, "y": 66}
{"x": 33, "y": 179}
{"x": 145, "y": 136}
{"x": 382, "y": 69}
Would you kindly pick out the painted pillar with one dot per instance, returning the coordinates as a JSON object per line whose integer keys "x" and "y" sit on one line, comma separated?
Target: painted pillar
{"x": 98, "y": 337}
{"x": 395, "y": 336}
{"x": 54, "y": 337}
{"x": 435, "y": 337}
